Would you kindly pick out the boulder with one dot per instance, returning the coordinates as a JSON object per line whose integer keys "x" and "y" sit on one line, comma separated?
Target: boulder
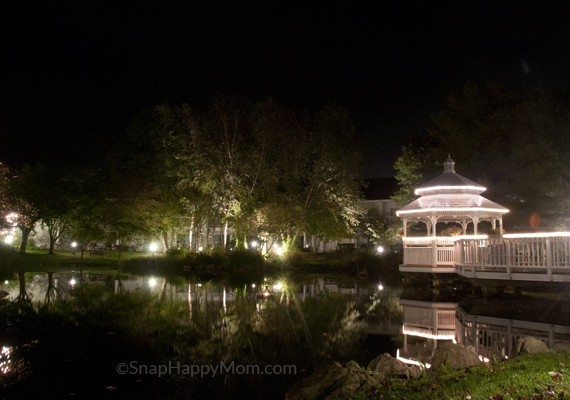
{"x": 331, "y": 382}
{"x": 458, "y": 356}
{"x": 530, "y": 345}
{"x": 561, "y": 345}
{"x": 386, "y": 366}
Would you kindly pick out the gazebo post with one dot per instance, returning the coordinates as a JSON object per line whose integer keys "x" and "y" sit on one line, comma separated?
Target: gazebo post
{"x": 475, "y": 225}
{"x": 501, "y": 225}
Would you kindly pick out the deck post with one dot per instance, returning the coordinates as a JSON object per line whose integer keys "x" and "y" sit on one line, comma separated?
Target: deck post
{"x": 434, "y": 255}
{"x": 549, "y": 259}
{"x": 473, "y": 257}
{"x": 508, "y": 257}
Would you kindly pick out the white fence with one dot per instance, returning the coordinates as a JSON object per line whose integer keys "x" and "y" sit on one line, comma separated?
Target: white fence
{"x": 541, "y": 257}
{"x": 428, "y": 251}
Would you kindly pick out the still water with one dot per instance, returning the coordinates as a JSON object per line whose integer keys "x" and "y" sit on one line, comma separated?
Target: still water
{"x": 267, "y": 331}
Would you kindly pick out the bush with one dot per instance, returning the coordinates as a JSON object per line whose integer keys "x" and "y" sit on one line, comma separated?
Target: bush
{"x": 177, "y": 253}
{"x": 245, "y": 259}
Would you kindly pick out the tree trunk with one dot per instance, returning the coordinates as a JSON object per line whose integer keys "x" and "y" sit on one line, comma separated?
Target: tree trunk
{"x": 226, "y": 235}
{"x": 190, "y": 234}
{"x": 51, "y": 245}
{"x": 25, "y": 234}
{"x": 164, "y": 238}
{"x": 23, "y": 296}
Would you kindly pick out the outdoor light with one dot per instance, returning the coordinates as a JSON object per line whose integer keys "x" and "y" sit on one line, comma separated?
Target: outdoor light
{"x": 152, "y": 282}
{"x": 72, "y": 282}
{"x": 278, "y": 286}
{"x": 199, "y": 285}
{"x": 9, "y": 239}
{"x": 380, "y": 287}
{"x": 152, "y": 247}
{"x": 74, "y": 244}
{"x": 200, "y": 248}
{"x": 380, "y": 249}
{"x": 5, "y": 282}
{"x": 275, "y": 245}
{"x": 279, "y": 250}
{"x": 254, "y": 244}
{"x": 253, "y": 285}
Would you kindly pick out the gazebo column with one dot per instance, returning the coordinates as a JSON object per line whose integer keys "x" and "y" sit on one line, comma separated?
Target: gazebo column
{"x": 405, "y": 227}
{"x": 475, "y": 225}
{"x": 433, "y": 222}
{"x": 501, "y": 225}
{"x": 464, "y": 224}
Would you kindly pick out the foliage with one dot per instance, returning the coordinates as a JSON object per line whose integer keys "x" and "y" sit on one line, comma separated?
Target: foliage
{"x": 512, "y": 144}
{"x": 379, "y": 231}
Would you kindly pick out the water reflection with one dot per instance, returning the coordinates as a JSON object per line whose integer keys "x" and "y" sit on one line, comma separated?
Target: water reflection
{"x": 273, "y": 320}
{"x": 491, "y": 324}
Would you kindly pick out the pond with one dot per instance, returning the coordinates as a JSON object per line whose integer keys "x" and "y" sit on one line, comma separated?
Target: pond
{"x": 242, "y": 335}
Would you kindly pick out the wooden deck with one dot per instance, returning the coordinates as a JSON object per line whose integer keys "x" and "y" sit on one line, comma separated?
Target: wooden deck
{"x": 532, "y": 257}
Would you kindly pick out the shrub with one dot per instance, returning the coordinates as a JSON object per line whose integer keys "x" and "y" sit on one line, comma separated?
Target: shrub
{"x": 245, "y": 259}
{"x": 176, "y": 252}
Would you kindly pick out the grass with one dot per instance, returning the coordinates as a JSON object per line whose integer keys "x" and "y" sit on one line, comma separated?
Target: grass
{"x": 41, "y": 261}
{"x": 536, "y": 376}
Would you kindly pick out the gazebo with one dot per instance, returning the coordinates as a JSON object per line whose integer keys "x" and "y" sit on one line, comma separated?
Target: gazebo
{"x": 449, "y": 198}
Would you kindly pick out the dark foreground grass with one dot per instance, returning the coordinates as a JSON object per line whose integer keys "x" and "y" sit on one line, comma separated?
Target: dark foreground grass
{"x": 528, "y": 376}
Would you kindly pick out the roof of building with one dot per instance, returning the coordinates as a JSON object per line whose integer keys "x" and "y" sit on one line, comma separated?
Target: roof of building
{"x": 451, "y": 192}
{"x": 450, "y": 178}
{"x": 452, "y": 201}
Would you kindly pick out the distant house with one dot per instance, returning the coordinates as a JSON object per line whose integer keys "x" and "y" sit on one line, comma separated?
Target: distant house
{"x": 378, "y": 201}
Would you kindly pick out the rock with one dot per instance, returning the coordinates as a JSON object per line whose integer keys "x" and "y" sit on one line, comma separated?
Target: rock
{"x": 530, "y": 345}
{"x": 332, "y": 381}
{"x": 561, "y": 345}
{"x": 458, "y": 356}
{"x": 386, "y": 366}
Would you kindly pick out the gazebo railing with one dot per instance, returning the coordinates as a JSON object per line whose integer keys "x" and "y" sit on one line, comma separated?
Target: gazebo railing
{"x": 428, "y": 251}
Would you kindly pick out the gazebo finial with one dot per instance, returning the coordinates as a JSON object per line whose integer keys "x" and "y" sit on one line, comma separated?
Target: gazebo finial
{"x": 449, "y": 165}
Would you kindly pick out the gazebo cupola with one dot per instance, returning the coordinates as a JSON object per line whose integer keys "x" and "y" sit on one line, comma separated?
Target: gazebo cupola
{"x": 451, "y": 197}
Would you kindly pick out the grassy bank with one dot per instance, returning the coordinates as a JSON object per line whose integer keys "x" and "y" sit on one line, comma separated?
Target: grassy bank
{"x": 528, "y": 376}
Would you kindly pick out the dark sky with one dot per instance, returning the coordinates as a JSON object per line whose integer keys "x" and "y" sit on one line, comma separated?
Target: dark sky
{"x": 74, "y": 72}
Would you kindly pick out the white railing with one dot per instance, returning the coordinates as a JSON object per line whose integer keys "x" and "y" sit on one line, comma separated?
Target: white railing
{"x": 428, "y": 251}
{"x": 544, "y": 257}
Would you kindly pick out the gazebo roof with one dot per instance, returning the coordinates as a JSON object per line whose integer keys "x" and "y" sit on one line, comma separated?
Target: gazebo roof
{"x": 450, "y": 182}
{"x": 451, "y": 194}
{"x": 467, "y": 202}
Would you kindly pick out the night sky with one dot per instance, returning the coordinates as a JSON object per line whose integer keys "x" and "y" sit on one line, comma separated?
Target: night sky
{"x": 75, "y": 72}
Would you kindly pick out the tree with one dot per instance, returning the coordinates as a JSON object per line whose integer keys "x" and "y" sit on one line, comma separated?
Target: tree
{"x": 155, "y": 158}
{"x": 51, "y": 190}
{"x": 88, "y": 217}
{"x": 513, "y": 145}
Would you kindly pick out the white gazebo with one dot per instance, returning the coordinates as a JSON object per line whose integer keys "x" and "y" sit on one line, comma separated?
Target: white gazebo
{"x": 449, "y": 198}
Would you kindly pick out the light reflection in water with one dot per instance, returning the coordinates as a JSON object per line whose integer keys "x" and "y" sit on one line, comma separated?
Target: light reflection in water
{"x": 5, "y": 359}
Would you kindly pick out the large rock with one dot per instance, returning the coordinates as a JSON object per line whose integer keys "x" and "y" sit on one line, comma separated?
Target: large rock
{"x": 333, "y": 381}
{"x": 530, "y": 345}
{"x": 458, "y": 356}
{"x": 563, "y": 345}
{"x": 386, "y": 366}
